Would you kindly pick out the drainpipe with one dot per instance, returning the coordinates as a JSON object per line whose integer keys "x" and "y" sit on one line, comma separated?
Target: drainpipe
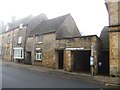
{"x": 25, "y": 43}
{"x": 33, "y": 51}
{"x": 92, "y": 59}
{"x": 12, "y": 56}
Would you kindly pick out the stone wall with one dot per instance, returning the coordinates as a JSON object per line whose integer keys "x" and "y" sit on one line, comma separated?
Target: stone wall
{"x": 10, "y": 41}
{"x": 7, "y": 45}
{"x": 1, "y": 45}
{"x": 113, "y": 10}
{"x": 19, "y": 33}
{"x": 67, "y": 61}
{"x": 47, "y": 47}
{"x": 119, "y": 12}
{"x": 68, "y": 29}
{"x": 0, "y": 39}
{"x": 84, "y": 43}
{"x": 50, "y": 46}
{"x": 114, "y": 52}
{"x": 114, "y": 36}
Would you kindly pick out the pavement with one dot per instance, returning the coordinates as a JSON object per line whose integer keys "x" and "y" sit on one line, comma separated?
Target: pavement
{"x": 108, "y": 81}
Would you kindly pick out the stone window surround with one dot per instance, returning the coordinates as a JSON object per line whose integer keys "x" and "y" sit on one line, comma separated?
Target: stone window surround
{"x": 38, "y": 55}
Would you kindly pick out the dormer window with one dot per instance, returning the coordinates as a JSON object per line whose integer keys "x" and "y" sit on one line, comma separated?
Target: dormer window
{"x": 21, "y": 26}
{"x": 19, "y": 40}
{"x": 39, "y": 39}
{"x": 8, "y": 40}
{"x": 7, "y": 27}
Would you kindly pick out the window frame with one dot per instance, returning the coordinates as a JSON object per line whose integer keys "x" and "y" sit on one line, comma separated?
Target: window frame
{"x": 21, "y": 26}
{"x": 19, "y": 40}
{"x": 39, "y": 55}
{"x": 40, "y": 39}
{"x": 8, "y": 39}
{"x": 1, "y": 50}
{"x": 16, "y": 55}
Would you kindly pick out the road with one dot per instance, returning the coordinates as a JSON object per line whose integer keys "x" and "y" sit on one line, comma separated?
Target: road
{"x": 16, "y": 77}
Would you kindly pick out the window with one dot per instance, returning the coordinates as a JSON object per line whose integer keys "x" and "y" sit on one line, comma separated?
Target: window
{"x": 39, "y": 55}
{"x": 1, "y": 49}
{"x": 18, "y": 53}
{"x": 7, "y": 27}
{"x": 8, "y": 40}
{"x": 39, "y": 39}
{"x": 21, "y": 26}
{"x": 19, "y": 40}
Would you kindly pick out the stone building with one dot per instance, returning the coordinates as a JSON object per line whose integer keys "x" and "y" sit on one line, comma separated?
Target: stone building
{"x": 45, "y": 36}
{"x": 113, "y": 8}
{"x": 57, "y": 43}
{"x": 54, "y": 43}
{"x": 7, "y": 38}
{"x": 0, "y": 44}
{"x": 75, "y": 53}
{"x": 1, "y": 31}
{"x": 14, "y": 39}
{"x": 1, "y": 27}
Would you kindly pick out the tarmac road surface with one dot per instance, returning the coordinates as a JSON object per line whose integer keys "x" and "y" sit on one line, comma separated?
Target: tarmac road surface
{"x": 16, "y": 77}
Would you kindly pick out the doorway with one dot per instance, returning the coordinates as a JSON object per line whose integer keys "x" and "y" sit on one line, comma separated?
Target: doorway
{"x": 81, "y": 61}
{"x": 103, "y": 69}
{"x": 60, "y": 59}
{"x": 28, "y": 59}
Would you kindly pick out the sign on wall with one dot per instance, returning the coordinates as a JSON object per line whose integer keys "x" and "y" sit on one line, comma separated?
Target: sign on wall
{"x": 75, "y": 48}
{"x": 91, "y": 60}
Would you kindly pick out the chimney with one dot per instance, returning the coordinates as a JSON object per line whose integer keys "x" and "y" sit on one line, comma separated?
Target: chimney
{"x": 13, "y": 19}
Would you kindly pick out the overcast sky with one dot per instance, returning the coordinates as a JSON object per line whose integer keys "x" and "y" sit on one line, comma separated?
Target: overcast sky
{"x": 90, "y": 15}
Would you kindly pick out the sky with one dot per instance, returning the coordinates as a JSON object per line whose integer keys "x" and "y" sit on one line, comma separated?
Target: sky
{"x": 90, "y": 15}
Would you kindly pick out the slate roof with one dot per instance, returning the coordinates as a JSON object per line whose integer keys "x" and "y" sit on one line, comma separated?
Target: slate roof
{"x": 30, "y": 21}
{"x": 36, "y": 21}
{"x": 104, "y": 36}
{"x": 23, "y": 21}
{"x": 48, "y": 26}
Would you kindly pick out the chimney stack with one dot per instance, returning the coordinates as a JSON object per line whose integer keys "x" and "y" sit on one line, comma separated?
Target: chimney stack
{"x": 13, "y": 19}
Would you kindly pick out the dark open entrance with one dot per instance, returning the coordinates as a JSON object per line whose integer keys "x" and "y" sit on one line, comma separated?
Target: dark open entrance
{"x": 103, "y": 64}
{"x": 28, "y": 57}
{"x": 60, "y": 59}
{"x": 81, "y": 61}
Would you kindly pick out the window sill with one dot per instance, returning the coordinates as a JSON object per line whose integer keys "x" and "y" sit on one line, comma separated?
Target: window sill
{"x": 39, "y": 42}
{"x": 38, "y": 60}
{"x": 18, "y": 58}
{"x": 19, "y": 43}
